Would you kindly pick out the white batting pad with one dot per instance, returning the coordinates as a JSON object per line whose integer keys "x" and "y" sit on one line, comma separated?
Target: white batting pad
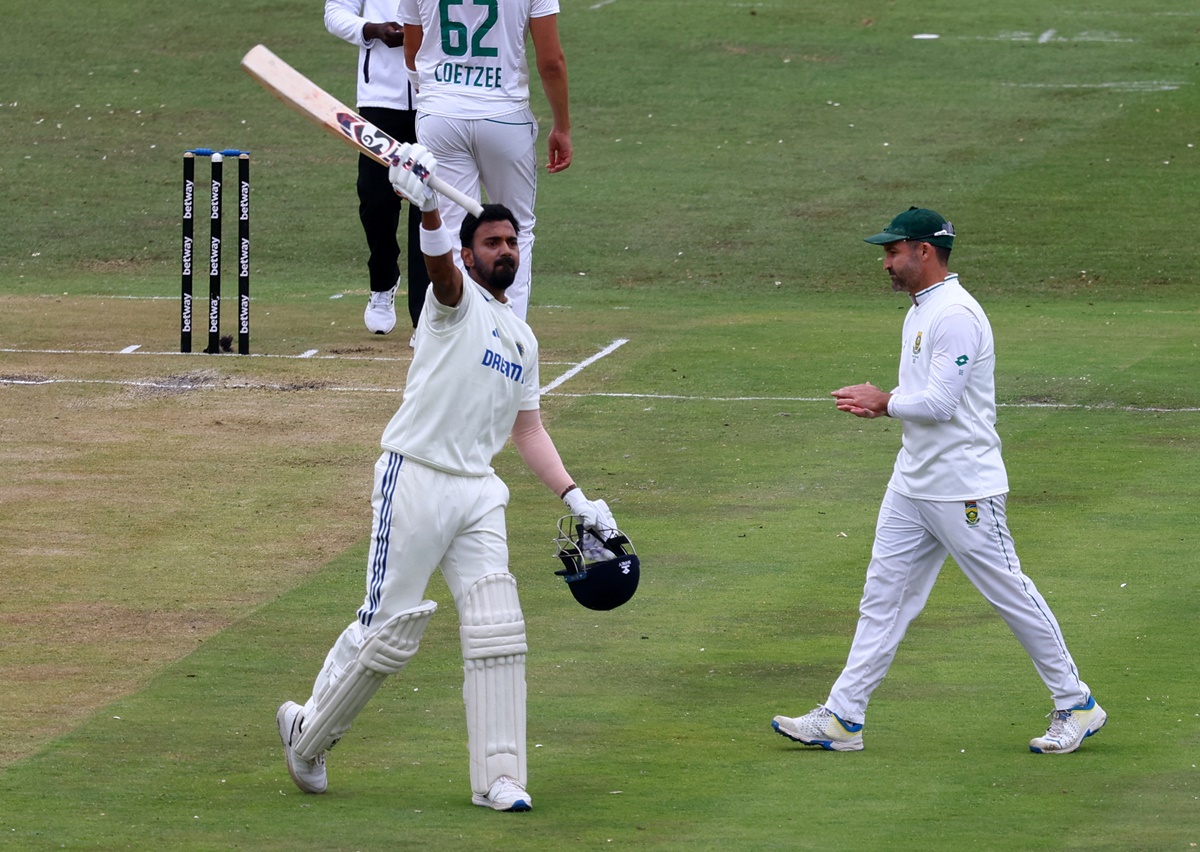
{"x": 353, "y": 671}
{"x": 494, "y": 648}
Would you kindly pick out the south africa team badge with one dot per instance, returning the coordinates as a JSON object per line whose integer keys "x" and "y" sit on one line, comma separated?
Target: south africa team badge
{"x": 917, "y": 344}
{"x": 972, "y": 509}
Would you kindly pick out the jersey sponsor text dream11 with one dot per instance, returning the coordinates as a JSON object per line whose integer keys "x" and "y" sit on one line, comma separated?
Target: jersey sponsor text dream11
{"x": 474, "y": 367}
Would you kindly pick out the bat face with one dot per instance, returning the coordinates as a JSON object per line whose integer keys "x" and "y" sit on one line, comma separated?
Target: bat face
{"x": 313, "y": 102}
{"x": 368, "y": 137}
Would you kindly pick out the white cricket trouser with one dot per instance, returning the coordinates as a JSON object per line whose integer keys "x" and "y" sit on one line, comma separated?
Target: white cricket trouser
{"x": 425, "y": 518}
{"x": 912, "y": 540}
{"x": 501, "y": 154}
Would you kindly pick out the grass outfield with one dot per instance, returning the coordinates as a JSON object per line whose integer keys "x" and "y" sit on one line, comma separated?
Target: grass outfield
{"x": 184, "y": 536}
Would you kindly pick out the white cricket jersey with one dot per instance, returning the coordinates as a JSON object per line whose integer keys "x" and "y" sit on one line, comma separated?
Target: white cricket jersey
{"x": 474, "y": 367}
{"x": 382, "y": 75}
{"x": 472, "y": 58}
{"x": 946, "y": 400}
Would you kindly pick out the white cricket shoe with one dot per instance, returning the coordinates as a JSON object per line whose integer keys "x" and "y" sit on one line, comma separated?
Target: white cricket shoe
{"x": 1069, "y": 728}
{"x": 505, "y": 795}
{"x": 821, "y": 727}
{"x": 309, "y": 775}
{"x": 380, "y": 315}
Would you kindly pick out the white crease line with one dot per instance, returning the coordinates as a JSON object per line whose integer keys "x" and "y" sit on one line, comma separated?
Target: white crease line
{"x": 685, "y": 398}
{"x": 340, "y": 389}
{"x": 128, "y": 350}
{"x": 546, "y": 390}
{"x": 123, "y": 382}
{"x": 574, "y": 371}
{"x": 303, "y": 356}
{"x": 309, "y": 355}
{"x": 829, "y": 399}
{"x": 1130, "y": 86}
{"x": 184, "y": 385}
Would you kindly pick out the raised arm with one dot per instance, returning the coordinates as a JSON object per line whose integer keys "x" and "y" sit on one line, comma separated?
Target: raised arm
{"x": 445, "y": 276}
{"x": 410, "y": 176}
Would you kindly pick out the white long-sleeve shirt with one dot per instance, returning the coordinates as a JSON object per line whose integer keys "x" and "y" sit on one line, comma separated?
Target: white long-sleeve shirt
{"x": 946, "y": 400}
{"x": 382, "y": 76}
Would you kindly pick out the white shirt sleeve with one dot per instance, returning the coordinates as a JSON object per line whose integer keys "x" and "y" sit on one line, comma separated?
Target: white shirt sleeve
{"x": 408, "y": 13}
{"x": 956, "y": 342}
{"x": 444, "y": 317}
{"x": 343, "y": 19}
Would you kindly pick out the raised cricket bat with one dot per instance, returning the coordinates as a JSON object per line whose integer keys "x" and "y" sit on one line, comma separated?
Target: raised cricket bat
{"x": 309, "y": 99}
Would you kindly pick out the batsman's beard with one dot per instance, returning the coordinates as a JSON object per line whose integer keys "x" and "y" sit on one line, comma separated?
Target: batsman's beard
{"x": 500, "y": 275}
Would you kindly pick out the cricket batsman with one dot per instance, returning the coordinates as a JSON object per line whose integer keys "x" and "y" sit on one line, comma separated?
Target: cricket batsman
{"x": 437, "y": 503}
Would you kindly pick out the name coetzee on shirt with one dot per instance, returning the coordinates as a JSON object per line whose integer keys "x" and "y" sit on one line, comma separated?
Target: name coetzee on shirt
{"x": 474, "y": 76}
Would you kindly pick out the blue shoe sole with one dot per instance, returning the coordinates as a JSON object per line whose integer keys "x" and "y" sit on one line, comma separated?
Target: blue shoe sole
{"x": 1085, "y": 736}
{"x": 825, "y": 744}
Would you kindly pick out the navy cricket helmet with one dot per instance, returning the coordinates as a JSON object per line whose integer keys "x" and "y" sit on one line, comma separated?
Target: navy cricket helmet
{"x": 602, "y": 574}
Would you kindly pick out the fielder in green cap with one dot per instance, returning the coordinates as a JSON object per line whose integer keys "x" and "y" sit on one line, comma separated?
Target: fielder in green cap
{"x": 947, "y": 497}
{"x": 917, "y": 224}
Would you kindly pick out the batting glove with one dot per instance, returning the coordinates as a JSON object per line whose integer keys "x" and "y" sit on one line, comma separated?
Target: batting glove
{"x": 593, "y": 515}
{"x": 594, "y": 549}
{"x": 410, "y": 175}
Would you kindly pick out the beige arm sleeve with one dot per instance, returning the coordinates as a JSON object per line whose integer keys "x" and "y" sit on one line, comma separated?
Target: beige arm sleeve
{"x": 539, "y": 452}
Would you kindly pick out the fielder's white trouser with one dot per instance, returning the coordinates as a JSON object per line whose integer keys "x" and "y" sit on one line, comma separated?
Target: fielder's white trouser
{"x": 912, "y": 540}
{"x": 501, "y": 155}
{"x": 424, "y": 519}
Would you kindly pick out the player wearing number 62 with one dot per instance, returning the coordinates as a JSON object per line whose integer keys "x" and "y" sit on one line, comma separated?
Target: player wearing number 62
{"x": 947, "y": 497}
{"x": 469, "y": 63}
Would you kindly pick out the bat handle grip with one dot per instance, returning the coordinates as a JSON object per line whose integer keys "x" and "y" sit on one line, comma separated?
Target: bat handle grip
{"x": 464, "y": 201}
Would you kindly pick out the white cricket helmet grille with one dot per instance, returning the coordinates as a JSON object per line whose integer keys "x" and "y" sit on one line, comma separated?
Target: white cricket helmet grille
{"x": 600, "y": 574}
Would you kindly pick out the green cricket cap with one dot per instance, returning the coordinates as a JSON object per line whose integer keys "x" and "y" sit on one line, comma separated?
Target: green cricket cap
{"x": 917, "y": 223}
